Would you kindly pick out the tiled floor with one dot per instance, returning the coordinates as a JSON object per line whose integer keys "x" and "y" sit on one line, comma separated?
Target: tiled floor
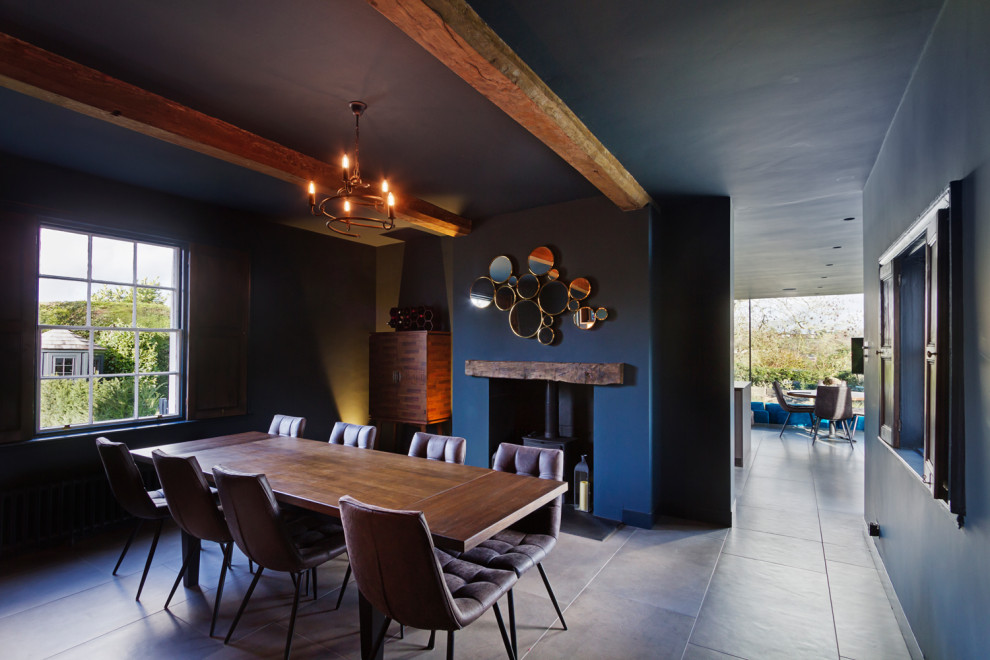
{"x": 793, "y": 579}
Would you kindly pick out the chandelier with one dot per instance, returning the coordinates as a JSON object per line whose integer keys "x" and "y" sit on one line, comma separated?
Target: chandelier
{"x": 344, "y": 208}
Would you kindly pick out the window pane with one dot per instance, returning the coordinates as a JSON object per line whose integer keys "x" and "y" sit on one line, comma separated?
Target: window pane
{"x": 113, "y": 260}
{"x": 113, "y": 306}
{"x": 154, "y": 308}
{"x": 155, "y": 351}
{"x": 155, "y": 264}
{"x": 113, "y": 398}
{"x": 117, "y": 349}
{"x": 61, "y": 302}
{"x": 63, "y": 253}
{"x": 153, "y": 395}
{"x": 64, "y": 402}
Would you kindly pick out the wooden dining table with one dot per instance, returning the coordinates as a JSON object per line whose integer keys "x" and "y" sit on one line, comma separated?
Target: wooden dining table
{"x": 463, "y": 505}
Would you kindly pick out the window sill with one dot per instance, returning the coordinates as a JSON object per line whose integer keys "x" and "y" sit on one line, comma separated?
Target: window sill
{"x": 90, "y": 431}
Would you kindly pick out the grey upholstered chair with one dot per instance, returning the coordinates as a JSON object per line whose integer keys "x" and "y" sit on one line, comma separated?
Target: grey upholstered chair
{"x": 128, "y": 487}
{"x": 834, "y": 403}
{"x": 446, "y": 448}
{"x": 195, "y": 511}
{"x": 293, "y": 427}
{"x": 529, "y": 541}
{"x": 789, "y": 407}
{"x": 264, "y": 536}
{"x": 405, "y": 577}
{"x": 353, "y": 435}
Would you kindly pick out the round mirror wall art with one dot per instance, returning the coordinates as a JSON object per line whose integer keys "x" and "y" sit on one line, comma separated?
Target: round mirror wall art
{"x": 500, "y": 270}
{"x": 540, "y": 261}
{"x": 505, "y": 297}
{"x": 525, "y": 318}
{"x": 535, "y": 300}
{"x": 528, "y": 286}
{"x": 482, "y": 292}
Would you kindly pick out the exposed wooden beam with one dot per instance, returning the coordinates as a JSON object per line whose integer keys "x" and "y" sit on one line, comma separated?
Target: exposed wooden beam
{"x": 453, "y": 33}
{"x": 36, "y": 72}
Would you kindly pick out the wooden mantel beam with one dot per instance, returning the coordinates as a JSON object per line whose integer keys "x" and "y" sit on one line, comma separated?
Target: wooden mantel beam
{"x": 453, "y": 33}
{"x": 36, "y": 72}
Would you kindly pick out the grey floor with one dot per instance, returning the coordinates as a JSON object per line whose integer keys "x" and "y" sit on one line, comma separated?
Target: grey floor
{"x": 793, "y": 578}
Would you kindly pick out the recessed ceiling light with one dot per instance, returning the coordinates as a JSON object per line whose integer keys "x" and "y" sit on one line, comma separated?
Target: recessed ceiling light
{"x": 824, "y": 277}
{"x": 848, "y": 219}
{"x": 836, "y": 247}
{"x": 829, "y": 264}
{"x": 821, "y": 287}
{"x": 788, "y": 289}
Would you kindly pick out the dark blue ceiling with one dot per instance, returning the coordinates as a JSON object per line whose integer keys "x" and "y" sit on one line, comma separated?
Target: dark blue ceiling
{"x": 781, "y": 105}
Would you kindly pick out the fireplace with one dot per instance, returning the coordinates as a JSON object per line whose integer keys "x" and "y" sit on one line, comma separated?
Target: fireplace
{"x": 545, "y": 404}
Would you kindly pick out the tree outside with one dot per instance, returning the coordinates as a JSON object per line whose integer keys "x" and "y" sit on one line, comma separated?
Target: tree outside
{"x": 66, "y": 401}
{"x": 798, "y": 341}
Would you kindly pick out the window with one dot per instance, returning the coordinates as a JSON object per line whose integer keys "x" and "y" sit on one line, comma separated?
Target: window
{"x": 64, "y": 366}
{"x": 921, "y": 347}
{"x": 109, "y": 332}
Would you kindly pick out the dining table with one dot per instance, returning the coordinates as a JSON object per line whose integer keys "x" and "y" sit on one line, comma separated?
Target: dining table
{"x": 463, "y": 505}
{"x": 813, "y": 394}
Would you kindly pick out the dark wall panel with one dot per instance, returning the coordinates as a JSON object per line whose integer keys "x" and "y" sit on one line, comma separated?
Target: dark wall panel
{"x": 312, "y": 307}
{"x": 941, "y": 133}
{"x": 691, "y": 280}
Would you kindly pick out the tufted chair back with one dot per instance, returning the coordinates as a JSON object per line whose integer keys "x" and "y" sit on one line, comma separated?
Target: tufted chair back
{"x": 446, "y": 448}
{"x": 189, "y": 497}
{"x": 535, "y": 462}
{"x": 293, "y": 427}
{"x": 353, "y": 435}
{"x": 125, "y": 480}
{"x": 255, "y": 520}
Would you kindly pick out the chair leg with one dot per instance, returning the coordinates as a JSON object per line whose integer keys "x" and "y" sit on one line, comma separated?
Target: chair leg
{"x": 402, "y": 631}
{"x": 784, "y": 426}
{"x": 501, "y": 629}
{"x": 130, "y": 539}
{"x": 553, "y": 599}
{"x": 381, "y": 637}
{"x": 433, "y": 640}
{"x": 814, "y": 433}
{"x": 512, "y": 624}
{"x": 849, "y": 433}
{"x": 240, "y": 610}
{"x": 151, "y": 555}
{"x": 292, "y": 617}
{"x": 450, "y": 645}
{"x": 175, "y": 585}
{"x": 343, "y": 587}
{"x": 227, "y": 552}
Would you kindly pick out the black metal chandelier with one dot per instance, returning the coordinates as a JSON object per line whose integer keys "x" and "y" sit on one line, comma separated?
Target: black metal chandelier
{"x": 343, "y": 207}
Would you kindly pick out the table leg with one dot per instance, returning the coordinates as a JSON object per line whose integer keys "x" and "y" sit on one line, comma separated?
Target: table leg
{"x": 190, "y": 548}
{"x": 371, "y": 626}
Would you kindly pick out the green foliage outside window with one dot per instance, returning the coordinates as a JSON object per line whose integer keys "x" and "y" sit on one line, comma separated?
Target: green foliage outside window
{"x": 66, "y": 401}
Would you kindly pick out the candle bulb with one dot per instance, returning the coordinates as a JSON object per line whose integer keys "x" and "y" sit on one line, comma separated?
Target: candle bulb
{"x": 347, "y": 207}
{"x": 391, "y": 206}
{"x": 345, "y": 165}
{"x": 384, "y": 185}
{"x": 312, "y": 194}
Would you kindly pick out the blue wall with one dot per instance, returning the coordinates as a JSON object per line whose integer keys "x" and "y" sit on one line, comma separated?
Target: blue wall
{"x": 941, "y": 133}
{"x": 589, "y": 238}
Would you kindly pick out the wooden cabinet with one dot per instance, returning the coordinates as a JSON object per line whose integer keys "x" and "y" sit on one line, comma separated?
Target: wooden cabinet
{"x": 410, "y": 377}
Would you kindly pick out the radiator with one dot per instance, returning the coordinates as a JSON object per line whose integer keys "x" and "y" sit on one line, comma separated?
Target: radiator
{"x": 53, "y": 512}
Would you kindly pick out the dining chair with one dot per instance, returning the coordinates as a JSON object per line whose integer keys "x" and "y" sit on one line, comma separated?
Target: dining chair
{"x": 401, "y": 573}
{"x": 293, "y": 427}
{"x": 789, "y": 407}
{"x": 128, "y": 487}
{"x": 528, "y": 542}
{"x": 444, "y": 448}
{"x": 194, "y": 509}
{"x": 353, "y": 435}
{"x": 833, "y": 403}
{"x": 265, "y": 536}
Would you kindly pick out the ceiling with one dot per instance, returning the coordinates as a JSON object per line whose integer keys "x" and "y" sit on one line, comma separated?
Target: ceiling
{"x": 780, "y": 105}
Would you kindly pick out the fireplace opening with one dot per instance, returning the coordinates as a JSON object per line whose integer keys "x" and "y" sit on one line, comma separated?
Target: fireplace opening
{"x": 544, "y": 414}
